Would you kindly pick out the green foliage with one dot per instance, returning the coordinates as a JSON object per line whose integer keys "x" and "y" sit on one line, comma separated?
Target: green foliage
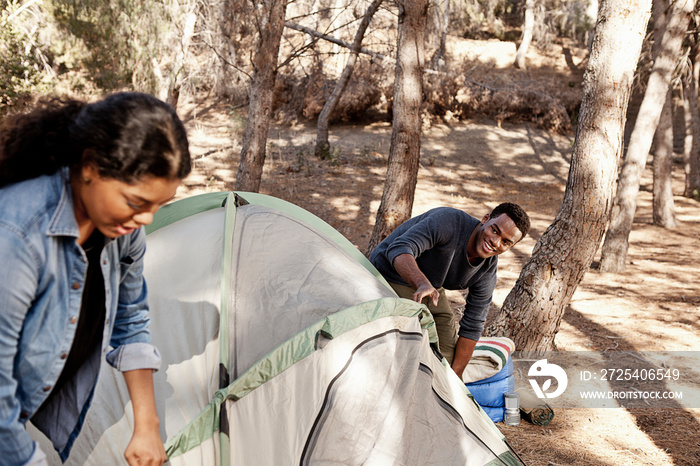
{"x": 101, "y": 45}
{"x": 569, "y": 18}
{"x": 466, "y": 17}
{"x": 503, "y": 19}
{"x": 124, "y": 43}
{"x": 117, "y": 37}
{"x": 22, "y": 67}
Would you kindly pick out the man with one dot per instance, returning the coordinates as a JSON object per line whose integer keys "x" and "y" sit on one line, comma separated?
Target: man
{"x": 446, "y": 248}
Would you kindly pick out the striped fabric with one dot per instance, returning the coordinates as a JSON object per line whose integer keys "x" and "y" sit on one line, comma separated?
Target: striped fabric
{"x": 489, "y": 357}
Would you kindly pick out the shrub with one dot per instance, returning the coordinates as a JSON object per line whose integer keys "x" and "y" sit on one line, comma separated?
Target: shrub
{"x": 23, "y": 64}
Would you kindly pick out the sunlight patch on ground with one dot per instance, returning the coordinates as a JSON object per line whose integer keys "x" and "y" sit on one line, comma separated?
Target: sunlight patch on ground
{"x": 346, "y": 207}
{"x": 202, "y": 136}
{"x": 576, "y": 340}
{"x": 618, "y": 442}
{"x": 494, "y": 52}
{"x": 688, "y": 215}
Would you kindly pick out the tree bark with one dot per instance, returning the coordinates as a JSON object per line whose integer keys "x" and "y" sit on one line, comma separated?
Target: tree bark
{"x": 532, "y": 311}
{"x": 692, "y": 150}
{"x": 614, "y": 252}
{"x": 404, "y": 152}
{"x": 224, "y": 21}
{"x": 322, "y": 146}
{"x": 168, "y": 87}
{"x": 175, "y": 81}
{"x": 441, "y": 19}
{"x": 270, "y": 20}
{"x": 528, "y": 26}
{"x": 663, "y": 210}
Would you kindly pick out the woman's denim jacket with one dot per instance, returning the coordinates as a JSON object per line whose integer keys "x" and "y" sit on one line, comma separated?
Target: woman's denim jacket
{"x": 41, "y": 280}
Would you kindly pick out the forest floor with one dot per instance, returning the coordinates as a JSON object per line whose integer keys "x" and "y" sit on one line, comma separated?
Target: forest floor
{"x": 653, "y": 306}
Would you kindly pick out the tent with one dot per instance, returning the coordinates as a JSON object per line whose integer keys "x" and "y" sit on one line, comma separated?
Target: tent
{"x": 283, "y": 345}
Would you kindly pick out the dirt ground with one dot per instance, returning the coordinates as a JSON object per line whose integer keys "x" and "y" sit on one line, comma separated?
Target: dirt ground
{"x": 654, "y": 305}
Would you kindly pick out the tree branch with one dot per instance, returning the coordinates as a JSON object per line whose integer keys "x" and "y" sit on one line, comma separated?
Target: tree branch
{"x": 342, "y": 43}
{"x": 347, "y": 45}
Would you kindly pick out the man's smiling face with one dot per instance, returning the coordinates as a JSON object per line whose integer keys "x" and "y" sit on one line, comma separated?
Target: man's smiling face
{"x": 493, "y": 237}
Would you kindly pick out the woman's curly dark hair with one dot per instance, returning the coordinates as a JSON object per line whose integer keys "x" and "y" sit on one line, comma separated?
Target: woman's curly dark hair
{"x": 126, "y": 136}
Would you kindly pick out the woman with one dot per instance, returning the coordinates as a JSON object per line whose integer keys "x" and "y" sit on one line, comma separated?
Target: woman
{"x": 77, "y": 183}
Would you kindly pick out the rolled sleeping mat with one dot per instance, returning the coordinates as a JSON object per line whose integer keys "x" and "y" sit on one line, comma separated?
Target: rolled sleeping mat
{"x": 533, "y": 409}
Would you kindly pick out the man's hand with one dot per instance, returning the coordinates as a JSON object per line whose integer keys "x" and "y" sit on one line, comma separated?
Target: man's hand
{"x": 463, "y": 353}
{"x": 426, "y": 290}
{"x": 406, "y": 266}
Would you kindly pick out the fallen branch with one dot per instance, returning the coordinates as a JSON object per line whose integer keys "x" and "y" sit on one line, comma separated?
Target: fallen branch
{"x": 208, "y": 153}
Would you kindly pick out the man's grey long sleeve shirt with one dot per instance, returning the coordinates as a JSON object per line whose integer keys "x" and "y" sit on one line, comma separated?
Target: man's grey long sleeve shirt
{"x": 438, "y": 241}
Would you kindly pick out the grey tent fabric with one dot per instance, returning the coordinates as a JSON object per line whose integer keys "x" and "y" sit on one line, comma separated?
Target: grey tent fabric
{"x": 291, "y": 280}
{"x": 282, "y": 345}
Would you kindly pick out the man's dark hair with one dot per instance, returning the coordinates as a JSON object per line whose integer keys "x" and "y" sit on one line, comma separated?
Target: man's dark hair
{"x": 516, "y": 213}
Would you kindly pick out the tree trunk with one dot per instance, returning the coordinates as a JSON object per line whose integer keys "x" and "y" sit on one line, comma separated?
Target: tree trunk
{"x": 169, "y": 87}
{"x": 225, "y": 18}
{"x": 441, "y": 19}
{"x": 692, "y": 150}
{"x": 663, "y": 210}
{"x": 614, "y": 252}
{"x": 322, "y": 149}
{"x": 175, "y": 81}
{"x": 489, "y": 11}
{"x": 687, "y": 126}
{"x": 270, "y": 20}
{"x": 404, "y": 153}
{"x": 528, "y": 26}
{"x": 532, "y": 311}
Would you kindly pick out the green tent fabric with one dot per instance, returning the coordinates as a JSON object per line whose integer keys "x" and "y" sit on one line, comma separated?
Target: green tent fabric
{"x": 283, "y": 345}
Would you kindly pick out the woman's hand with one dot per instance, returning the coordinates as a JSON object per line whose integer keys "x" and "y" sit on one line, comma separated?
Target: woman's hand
{"x": 146, "y": 447}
